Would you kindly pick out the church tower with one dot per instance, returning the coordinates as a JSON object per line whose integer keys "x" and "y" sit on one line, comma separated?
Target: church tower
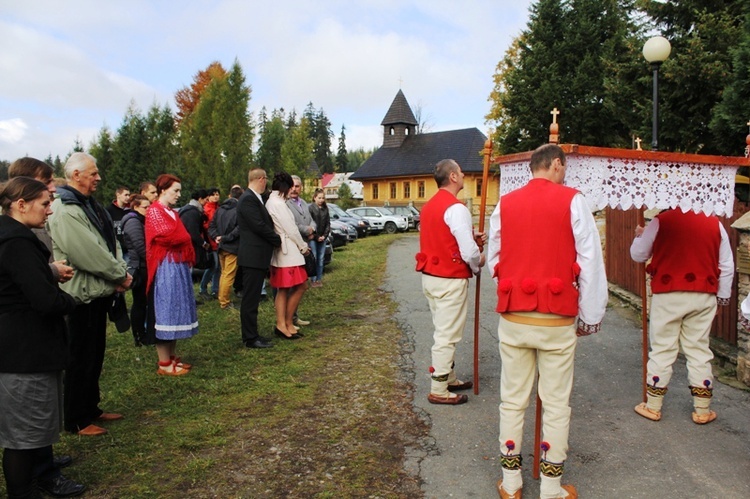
{"x": 399, "y": 122}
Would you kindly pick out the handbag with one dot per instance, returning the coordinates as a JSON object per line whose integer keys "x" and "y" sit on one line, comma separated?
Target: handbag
{"x": 311, "y": 265}
{"x": 118, "y": 312}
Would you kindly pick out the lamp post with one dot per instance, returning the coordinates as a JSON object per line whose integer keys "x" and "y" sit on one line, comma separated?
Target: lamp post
{"x": 656, "y": 50}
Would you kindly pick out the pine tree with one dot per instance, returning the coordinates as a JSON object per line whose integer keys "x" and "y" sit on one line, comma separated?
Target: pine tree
{"x": 691, "y": 81}
{"x": 297, "y": 150}
{"x": 270, "y": 144}
{"x": 342, "y": 157}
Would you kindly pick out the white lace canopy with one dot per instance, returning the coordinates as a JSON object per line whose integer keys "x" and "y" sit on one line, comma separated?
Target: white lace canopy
{"x": 624, "y": 179}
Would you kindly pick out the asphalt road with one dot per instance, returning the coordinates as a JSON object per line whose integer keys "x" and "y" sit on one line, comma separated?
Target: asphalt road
{"x": 614, "y": 453}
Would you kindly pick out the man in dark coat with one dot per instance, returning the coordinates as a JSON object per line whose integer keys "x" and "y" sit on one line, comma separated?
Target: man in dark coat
{"x": 224, "y": 230}
{"x": 257, "y": 241}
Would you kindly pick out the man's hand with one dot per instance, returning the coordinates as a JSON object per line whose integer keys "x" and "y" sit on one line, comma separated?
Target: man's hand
{"x": 125, "y": 285}
{"x": 638, "y": 230}
{"x": 481, "y": 239}
{"x": 64, "y": 271}
{"x": 218, "y": 239}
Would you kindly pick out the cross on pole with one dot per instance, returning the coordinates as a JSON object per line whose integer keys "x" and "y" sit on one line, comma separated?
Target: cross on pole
{"x": 638, "y": 143}
{"x": 555, "y": 112}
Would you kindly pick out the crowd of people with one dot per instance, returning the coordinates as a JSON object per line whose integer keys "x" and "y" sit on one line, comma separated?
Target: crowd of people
{"x": 66, "y": 261}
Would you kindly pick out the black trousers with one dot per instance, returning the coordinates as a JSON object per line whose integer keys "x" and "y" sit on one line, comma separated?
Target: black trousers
{"x": 142, "y": 318}
{"x": 87, "y": 327}
{"x": 252, "y": 284}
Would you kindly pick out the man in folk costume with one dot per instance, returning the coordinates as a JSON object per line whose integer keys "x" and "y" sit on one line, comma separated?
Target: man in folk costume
{"x": 691, "y": 273}
{"x": 545, "y": 254}
{"x": 448, "y": 256}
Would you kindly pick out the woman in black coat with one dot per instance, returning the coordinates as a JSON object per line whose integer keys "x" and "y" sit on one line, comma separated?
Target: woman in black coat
{"x": 33, "y": 349}
{"x": 142, "y": 312}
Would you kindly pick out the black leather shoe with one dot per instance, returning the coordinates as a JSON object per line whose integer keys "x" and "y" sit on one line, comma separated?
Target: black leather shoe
{"x": 259, "y": 342}
{"x": 285, "y": 337}
{"x": 60, "y": 486}
{"x": 62, "y": 461}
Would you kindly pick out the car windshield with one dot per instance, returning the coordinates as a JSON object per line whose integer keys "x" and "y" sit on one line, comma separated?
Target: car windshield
{"x": 333, "y": 208}
{"x": 386, "y": 211}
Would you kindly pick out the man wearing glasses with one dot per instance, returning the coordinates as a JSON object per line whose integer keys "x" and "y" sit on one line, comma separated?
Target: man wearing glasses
{"x": 257, "y": 241}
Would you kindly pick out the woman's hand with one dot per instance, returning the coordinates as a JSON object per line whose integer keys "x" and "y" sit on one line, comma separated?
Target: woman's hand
{"x": 305, "y": 250}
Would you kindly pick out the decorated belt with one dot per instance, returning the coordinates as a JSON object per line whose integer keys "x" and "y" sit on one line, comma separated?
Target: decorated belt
{"x": 539, "y": 321}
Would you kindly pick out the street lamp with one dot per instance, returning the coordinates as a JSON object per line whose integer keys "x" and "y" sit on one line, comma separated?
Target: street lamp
{"x": 656, "y": 50}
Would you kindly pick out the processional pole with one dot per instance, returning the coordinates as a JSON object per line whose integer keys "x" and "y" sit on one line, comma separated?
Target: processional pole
{"x": 554, "y": 138}
{"x": 487, "y": 153}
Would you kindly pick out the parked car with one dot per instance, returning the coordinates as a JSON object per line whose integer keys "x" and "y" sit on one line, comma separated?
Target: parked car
{"x": 381, "y": 218}
{"x": 361, "y": 225}
{"x": 339, "y": 233}
{"x": 410, "y": 212}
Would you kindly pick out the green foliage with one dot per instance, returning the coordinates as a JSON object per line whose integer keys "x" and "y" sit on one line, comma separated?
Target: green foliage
{"x": 321, "y": 134}
{"x": 345, "y": 200}
{"x": 703, "y": 34}
{"x": 342, "y": 157}
{"x": 560, "y": 61}
{"x": 358, "y": 156}
{"x": 216, "y": 137}
{"x": 734, "y": 107}
{"x": 297, "y": 149}
{"x": 4, "y": 165}
{"x": 271, "y": 141}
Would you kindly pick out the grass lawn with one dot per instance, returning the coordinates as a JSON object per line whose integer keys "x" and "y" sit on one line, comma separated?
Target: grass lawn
{"x": 326, "y": 416}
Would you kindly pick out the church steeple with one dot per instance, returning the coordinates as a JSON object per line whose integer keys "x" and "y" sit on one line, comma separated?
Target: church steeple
{"x": 399, "y": 122}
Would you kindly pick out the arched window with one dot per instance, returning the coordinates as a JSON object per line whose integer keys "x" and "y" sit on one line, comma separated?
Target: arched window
{"x": 391, "y": 131}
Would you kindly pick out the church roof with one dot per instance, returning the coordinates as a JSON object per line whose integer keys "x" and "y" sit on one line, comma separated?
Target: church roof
{"x": 399, "y": 112}
{"x": 419, "y": 154}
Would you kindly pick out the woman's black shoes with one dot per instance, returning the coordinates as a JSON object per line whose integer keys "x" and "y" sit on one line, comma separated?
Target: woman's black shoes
{"x": 278, "y": 333}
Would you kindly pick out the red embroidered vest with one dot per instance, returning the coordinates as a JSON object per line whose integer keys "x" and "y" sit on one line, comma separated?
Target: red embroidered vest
{"x": 537, "y": 269}
{"x": 439, "y": 253}
{"x": 686, "y": 253}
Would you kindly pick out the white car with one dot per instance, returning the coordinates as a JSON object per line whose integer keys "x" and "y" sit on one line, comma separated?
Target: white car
{"x": 381, "y": 219}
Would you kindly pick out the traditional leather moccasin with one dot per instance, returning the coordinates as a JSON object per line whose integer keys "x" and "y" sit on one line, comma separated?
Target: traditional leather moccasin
{"x": 704, "y": 418}
{"x": 504, "y": 495}
{"x": 460, "y": 385}
{"x": 647, "y": 413}
{"x": 571, "y": 490}
{"x": 437, "y": 399}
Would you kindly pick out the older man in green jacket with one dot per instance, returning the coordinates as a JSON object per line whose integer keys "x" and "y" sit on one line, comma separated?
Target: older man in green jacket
{"x": 83, "y": 234}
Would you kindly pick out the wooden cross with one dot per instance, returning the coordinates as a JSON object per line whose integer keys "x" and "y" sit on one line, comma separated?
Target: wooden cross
{"x": 554, "y": 114}
{"x": 638, "y": 143}
{"x": 748, "y": 123}
{"x": 400, "y": 81}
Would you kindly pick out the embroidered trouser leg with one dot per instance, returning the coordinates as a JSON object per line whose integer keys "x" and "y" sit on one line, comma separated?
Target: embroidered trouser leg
{"x": 448, "y": 304}
{"x": 681, "y": 319}
{"x": 523, "y": 349}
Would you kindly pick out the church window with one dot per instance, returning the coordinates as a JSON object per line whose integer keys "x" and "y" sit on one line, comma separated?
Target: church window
{"x": 393, "y": 190}
{"x": 420, "y": 189}
{"x": 374, "y": 191}
{"x": 407, "y": 190}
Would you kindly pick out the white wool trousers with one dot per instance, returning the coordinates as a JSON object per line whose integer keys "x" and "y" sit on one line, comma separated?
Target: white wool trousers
{"x": 681, "y": 320}
{"x": 524, "y": 349}
{"x": 447, "y": 299}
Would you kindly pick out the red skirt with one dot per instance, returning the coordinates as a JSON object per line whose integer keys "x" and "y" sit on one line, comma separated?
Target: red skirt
{"x": 287, "y": 277}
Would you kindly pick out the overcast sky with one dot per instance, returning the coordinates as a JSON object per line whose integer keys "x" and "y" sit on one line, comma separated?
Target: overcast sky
{"x": 68, "y": 68}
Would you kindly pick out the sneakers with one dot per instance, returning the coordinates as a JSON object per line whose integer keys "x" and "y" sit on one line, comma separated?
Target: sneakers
{"x": 316, "y": 284}
{"x": 704, "y": 418}
{"x": 647, "y": 413}
{"x": 301, "y": 322}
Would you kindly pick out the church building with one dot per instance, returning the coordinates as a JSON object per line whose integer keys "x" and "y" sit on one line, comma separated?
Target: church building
{"x": 400, "y": 171}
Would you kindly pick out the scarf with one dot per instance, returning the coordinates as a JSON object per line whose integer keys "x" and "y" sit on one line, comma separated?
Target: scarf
{"x": 165, "y": 237}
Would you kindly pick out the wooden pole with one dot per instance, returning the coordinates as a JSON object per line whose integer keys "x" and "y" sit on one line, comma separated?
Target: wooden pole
{"x": 644, "y": 319}
{"x": 487, "y": 153}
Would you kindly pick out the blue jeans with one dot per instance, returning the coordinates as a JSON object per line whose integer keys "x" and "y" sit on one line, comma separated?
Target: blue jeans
{"x": 319, "y": 250}
{"x": 212, "y": 274}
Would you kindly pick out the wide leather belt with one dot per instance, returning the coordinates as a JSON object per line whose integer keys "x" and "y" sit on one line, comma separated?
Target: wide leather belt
{"x": 538, "y": 321}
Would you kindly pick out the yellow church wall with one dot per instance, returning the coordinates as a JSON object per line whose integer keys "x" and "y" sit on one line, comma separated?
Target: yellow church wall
{"x": 419, "y": 189}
